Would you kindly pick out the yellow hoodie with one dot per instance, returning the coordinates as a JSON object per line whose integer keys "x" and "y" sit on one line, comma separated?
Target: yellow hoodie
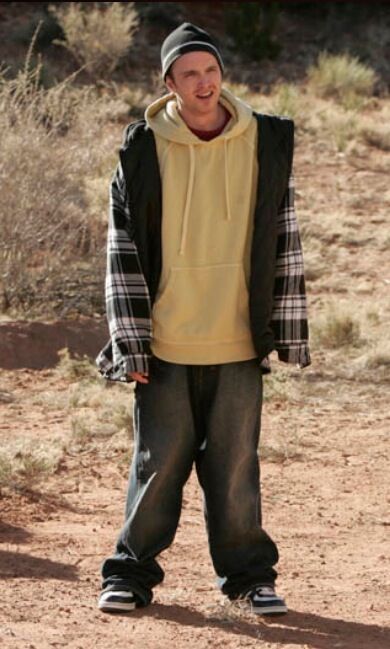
{"x": 201, "y": 315}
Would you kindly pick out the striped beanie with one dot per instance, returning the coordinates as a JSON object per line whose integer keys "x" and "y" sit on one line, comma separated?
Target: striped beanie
{"x": 187, "y": 38}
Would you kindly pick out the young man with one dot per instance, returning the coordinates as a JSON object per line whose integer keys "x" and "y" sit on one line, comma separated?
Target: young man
{"x": 204, "y": 280}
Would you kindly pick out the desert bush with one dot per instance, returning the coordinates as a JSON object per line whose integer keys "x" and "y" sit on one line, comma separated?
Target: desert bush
{"x": 252, "y": 26}
{"x": 286, "y": 100}
{"x": 376, "y": 357}
{"x": 52, "y": 154}
{"x": 5, "y": 471}
{"x": 315, "y": 266}
{"x": 376, "y": 134}
{"x": 75, "y": 368}
{"x": 342, "y": 77}
{"x": 89, "y": 428}
{"x": 167, "y": 15}
{"x": 279, "y": 385}
{"x": 334, "y": 125}
{"x": 81, "y": 429}
{"x": 49, "y": 29}
{"x": 337, "y": 328}
{"x": 343, "y": 130}
{"x": 26, "y": 467}
{"x": 98, "y": 37}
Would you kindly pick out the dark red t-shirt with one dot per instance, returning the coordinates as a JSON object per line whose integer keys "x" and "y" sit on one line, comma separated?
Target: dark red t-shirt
{"x": 209, "y": 135}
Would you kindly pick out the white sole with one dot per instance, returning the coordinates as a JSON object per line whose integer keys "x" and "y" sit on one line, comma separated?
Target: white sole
{"x": 105, "y": 605}
{"x": 116, "y": 606}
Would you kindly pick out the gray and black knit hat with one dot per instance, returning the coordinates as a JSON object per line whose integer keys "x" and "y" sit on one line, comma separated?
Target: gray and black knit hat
{"x": 187, "y": 38}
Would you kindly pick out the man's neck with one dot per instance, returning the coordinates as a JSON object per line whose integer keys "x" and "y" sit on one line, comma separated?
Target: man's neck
{"x": 204, "y": 122}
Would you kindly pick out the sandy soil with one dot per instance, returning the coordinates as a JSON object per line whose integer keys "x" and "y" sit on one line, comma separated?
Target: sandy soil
{"x": 324, "y": 502}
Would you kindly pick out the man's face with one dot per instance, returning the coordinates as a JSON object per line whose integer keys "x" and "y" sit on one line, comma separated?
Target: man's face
{"x": 196, "y": 80}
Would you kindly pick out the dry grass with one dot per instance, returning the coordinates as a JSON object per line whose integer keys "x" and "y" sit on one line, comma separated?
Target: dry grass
{"x": 96, "y": 417}
{"x": 278, "y": 384}
{"x": 376, "y": 358}
{"x": 337, "y": 328}
{"x": 375, "y": 128}
{"x": 5, "y": 471}
{"x": 342, "y": 77}
{"x": 98, "y": 37}
{"x": 287, "y": 100}
{"x": 26, "y": 467}
{"x": 51, "y": 154}
{"x": 74, "y": 368}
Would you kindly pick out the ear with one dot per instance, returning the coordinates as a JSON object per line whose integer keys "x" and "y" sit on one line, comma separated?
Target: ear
{"x": 170, "y": 84}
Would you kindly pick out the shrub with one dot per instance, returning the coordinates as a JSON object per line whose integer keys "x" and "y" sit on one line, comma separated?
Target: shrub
{"x": 75, "y": 368}
{"x": 49, "y": 29}
{"x": 5, "y": 471}
{"x": 278, "y": 385}
{"x": 376, "y": 358}
{"x": 343, "y": 129}
{"x": 343, "y": 77}
{"x": 377, "y": 135}
{"x": 252, "y": 26}
{"x": 27, "y": 467}
{"x": 52, "y": 154}
{"x": 98, "y": 37}
{"x": 286, "y": 100}
{"x": 337, "y": 329}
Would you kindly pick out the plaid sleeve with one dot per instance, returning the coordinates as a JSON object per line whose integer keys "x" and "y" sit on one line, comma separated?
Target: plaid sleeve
{"x": 127, "y": 295}
{"x": 289, "y": 314}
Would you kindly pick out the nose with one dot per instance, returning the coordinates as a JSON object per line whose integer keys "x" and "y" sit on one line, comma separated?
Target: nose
{"x": 203, "y": 82}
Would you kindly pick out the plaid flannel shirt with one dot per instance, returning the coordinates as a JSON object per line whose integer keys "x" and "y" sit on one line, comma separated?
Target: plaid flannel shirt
{"x": 128, "y": 301}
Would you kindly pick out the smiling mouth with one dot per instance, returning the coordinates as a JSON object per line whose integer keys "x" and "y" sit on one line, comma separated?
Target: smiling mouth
{"x": 205, "y": 96}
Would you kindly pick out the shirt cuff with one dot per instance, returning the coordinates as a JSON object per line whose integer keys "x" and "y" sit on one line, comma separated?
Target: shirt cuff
{"x": 298, "y": 354}
{"x": 122, "y": 370}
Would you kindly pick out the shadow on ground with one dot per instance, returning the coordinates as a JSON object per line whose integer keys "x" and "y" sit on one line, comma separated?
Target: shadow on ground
{"x": 302, "y": 629}
{"x": 17, "y": 564}
{"x": 13, "y": 534}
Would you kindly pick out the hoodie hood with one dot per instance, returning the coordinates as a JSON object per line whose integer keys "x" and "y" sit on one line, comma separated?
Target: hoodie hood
{"x": 163, "y": 118}
{"x": 165, "y": 121}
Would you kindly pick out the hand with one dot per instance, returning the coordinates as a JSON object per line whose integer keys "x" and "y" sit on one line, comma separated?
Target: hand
{"x": 141, "y": 377}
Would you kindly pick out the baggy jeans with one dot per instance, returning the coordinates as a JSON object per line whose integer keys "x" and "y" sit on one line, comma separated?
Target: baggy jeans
{"x": 208, "y": 415}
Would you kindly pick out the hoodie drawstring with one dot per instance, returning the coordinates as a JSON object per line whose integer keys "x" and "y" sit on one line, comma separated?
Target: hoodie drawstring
{"x": 228, "y": 212}
{"x": 188, "y": 200}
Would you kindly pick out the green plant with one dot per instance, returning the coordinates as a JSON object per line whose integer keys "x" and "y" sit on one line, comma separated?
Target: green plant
{"x": 252, "y": 26}
{"x": 342, "y": 77}
{"x": 97, "y": 36}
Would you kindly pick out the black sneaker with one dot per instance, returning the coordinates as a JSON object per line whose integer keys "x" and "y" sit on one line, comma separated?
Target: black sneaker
{"x": 264, "y": 601}
{"x": 112, "y": 601}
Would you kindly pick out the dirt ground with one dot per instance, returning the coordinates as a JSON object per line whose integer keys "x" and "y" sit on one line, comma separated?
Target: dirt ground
{"x": 324, "y": 501}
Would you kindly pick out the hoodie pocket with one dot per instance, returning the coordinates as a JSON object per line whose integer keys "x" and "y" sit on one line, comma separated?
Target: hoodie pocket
{"x": 207, "y": 304}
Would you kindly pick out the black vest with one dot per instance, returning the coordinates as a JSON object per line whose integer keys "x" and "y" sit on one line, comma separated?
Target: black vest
{"x": 275, "y": 148}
